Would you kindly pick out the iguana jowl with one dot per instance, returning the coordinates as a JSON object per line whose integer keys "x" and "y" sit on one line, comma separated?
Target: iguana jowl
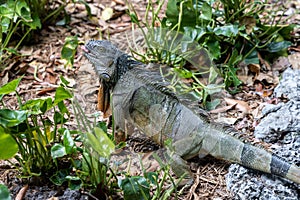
{"x": 139, "y": 98}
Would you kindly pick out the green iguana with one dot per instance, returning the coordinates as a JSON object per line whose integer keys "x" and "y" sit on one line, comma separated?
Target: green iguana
{"x": 142, "y": 100}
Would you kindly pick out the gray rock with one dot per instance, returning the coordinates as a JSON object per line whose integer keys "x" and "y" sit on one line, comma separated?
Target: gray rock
{"x": 281, "y": 127}
{"x": 289, "y": 84}
{"x": 278, "y": 121}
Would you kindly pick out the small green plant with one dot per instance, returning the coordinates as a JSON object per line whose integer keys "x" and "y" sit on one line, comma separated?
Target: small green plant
{"x": 187, "y": 57}
{"x": 69, "y": 49}
{"x": 13, "y": 15}
{"x": 35, "y": 135}
{"x": 48, "y": 149}
{"x": 151, "y": 185}
{"x": 94, "y": 170}
{"x": 20, "y": 18}
{"x": 232, "y": 31}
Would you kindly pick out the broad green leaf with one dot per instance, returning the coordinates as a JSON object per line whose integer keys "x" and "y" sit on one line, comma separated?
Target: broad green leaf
{"x": 252, "y": 58}
{"x": 37, "y": 106}
{"x": 274, "y": 47}
{"x": 10, "y": 87}
{"x": 33, "y": 105}
{"x": 8, "y": 10}
{"x": 59, "y": 118}
{"x": 10, "y": 118}
{"x": 135, "y": 188}
{"x": 183, "y": 73}
{"x": 8, "y": 147}
{"x": 23, "y": 10}
{"x": 69, "y": 49}
{"x": 4, "y": 193}
{"x": 210, "y": 105}
{"x": 68, "y": 142}
{"x": 74, "y": 182}
{"x": 227, "y": 30}
{"x": 213, "y": 88}
{"x": 35, "y": 23}
{"x": 235, "y": 58}
{"x": 214, "y": 49}
{"x": 61, "y": 94}
{"x": 213, "y": 74}
{"x": 58, "y": 151}
{"x": 100, "y": 142}
{"x": 206, "y": 11}
{"x": 172, "y": 10}
{"x": 62, "y": 107}
{"x": 60, "y": 177}
{"x": 5, "y": 22}
{"x": 102, "y": 125}
{"x": 47, "y": 105}
{"x": 152, "y": 177}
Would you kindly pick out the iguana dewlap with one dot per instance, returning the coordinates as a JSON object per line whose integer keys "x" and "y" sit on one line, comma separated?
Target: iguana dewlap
{"x": 142, "y": 100}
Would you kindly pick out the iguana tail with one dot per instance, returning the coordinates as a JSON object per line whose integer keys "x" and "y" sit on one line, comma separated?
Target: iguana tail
{"x": 229, "y": 148}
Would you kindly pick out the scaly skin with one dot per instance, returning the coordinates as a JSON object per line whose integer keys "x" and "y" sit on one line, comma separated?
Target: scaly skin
{"x": 140, "y": 99}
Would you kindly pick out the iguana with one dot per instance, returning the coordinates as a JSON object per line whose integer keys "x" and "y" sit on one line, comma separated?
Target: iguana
{"x": 141, "y": 99}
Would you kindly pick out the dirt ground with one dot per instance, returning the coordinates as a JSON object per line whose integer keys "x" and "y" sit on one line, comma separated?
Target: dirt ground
{"x": 43, "y": 66}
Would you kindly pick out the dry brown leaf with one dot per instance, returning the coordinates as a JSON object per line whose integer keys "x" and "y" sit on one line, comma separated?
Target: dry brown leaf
{"x": 294, "y": 60}
{"x": 22, "y": 193}
{"x": 26, "y": 50}
{"x": 255, "y": 68}
{"x": 240, "y": 105}
{"x": 281, "y": 64}
{"x": 4, "y": 79}
{"x": 107, "y": 13}
{"x": 263, "y": 62}
{"x": 269, "y": 78}
{"x": 220, "y": 110}
{"x": 249, "y": 23}
{"x": 45, "y": 91}
{"x": 120, "y": 2}
{"x": 226, "y": 120}
{"x": 258, "y": 86}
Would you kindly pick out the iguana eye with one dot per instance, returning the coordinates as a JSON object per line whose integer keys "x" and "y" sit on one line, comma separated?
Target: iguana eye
{"x": 100, "y": 48}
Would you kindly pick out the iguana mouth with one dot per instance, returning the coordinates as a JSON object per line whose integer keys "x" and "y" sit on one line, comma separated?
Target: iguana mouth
{"x": 85, "y": 49}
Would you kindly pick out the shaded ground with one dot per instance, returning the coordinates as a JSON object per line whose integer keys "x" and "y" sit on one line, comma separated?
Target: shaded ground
{"x": 45, "y": 57}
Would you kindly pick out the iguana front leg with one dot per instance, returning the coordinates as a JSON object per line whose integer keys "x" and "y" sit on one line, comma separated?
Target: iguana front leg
{"x": 176, "y": 154}
{"x": 180, "y": 168}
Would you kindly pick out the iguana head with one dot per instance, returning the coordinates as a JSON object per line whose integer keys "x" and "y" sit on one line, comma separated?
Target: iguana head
{"x": 103, "y": 55}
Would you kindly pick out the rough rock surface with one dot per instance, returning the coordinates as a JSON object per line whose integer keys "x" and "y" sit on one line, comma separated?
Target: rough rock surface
{"x": 281, "y": 127}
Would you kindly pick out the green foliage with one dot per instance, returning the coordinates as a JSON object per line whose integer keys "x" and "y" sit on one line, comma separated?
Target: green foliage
{"x": 69, "y": 49}
{"x": 20, "y": 18}
{"x": 94, "y": 170}
{"x": 172, "y": 47}
{"x": 151, "y": 185}
{"x": 4, "y": 193}
{"x": 45, "y": 146}
{"x": 33, "y": 134}
{"x": 135, "y": 187}
{"x": 228, "y": 29}
{"x": 232, "y": 31}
